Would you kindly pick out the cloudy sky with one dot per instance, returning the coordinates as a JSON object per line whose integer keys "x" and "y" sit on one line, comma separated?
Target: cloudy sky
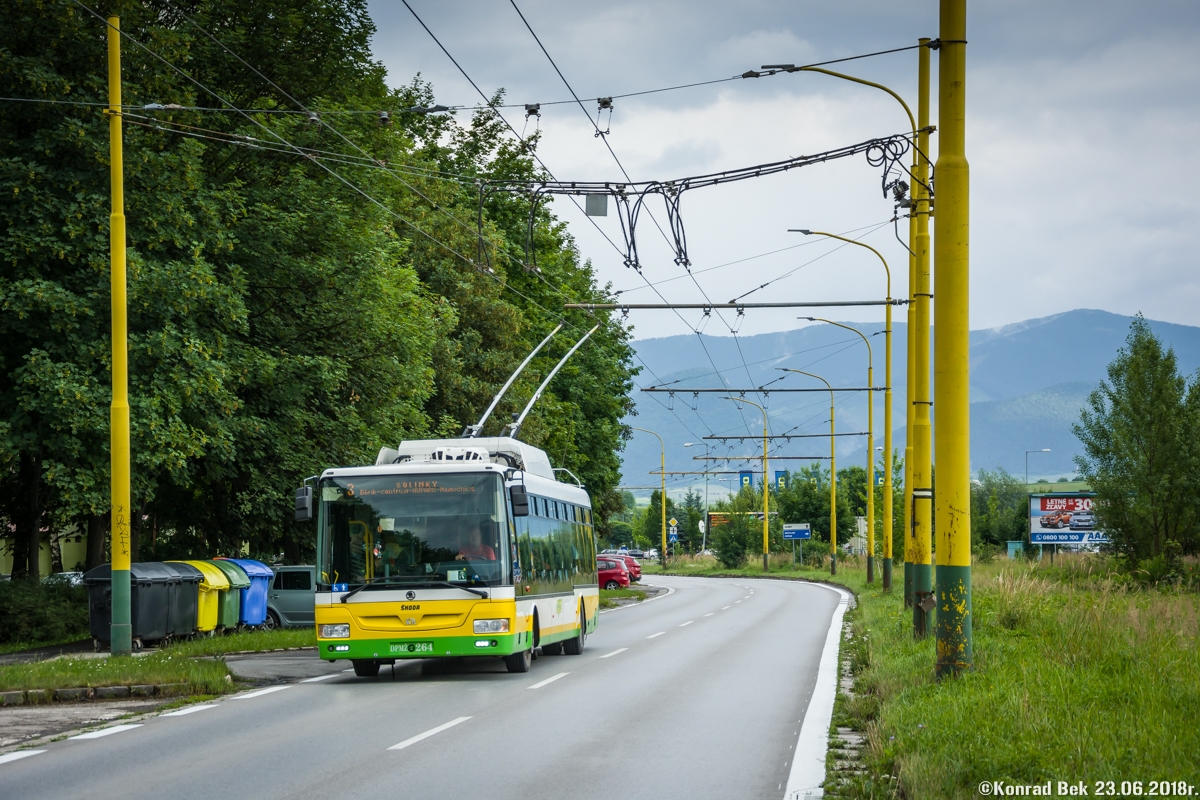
{"x": 1082, "y": 124}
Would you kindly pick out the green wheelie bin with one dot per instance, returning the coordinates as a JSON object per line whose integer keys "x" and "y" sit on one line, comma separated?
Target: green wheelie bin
{"x": 229, "y": 605}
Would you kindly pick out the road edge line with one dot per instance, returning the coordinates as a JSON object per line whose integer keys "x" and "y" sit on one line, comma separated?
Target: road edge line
{"x": 808, "y": 764}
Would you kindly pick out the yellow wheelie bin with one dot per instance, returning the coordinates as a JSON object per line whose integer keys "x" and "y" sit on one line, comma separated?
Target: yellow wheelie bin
{"x": 209, "y": 603}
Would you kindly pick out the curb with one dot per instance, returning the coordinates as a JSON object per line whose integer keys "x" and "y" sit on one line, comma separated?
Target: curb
{"x": 81, "y": 693}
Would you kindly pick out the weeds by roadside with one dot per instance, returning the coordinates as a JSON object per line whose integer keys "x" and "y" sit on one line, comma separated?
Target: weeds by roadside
{"x": 208, "y": 676}
{"x": 609, "y": 598}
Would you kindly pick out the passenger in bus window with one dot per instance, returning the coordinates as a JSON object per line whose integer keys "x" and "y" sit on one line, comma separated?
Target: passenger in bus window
{"x": 474, "y": 546}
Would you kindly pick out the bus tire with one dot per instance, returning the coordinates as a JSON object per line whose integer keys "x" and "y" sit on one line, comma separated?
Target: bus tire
{"x": 365, "y": 667}
{"x": 574, "y": 645}
{"x": 519, "y": 662}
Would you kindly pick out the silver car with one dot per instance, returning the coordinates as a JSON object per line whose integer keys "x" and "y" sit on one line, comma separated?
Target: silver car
{"x": 291, "y": 603}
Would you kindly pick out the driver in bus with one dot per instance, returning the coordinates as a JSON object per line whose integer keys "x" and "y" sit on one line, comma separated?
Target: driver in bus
{"x": 474, "y": 546}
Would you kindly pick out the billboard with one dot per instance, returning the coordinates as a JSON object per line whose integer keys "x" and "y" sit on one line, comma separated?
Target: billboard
{"x": 1063, "y": 518}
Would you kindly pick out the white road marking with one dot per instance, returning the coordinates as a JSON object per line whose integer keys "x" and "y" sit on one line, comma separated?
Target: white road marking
{"x": 689, "y": 622}
{"x": 551, "y": 679}
{"x": 614, "y": 652}
{"x": 106, "y": 732}
{"x": 183, "y": 712}
{"x": 17, "y": 756}
{"x": 428, "y": 733}
{"x": 724, "y": 608}
{"x": 655, "y": 635}
{"x": 747, "y": 597}
{"x": 260, "y": 692}
{"x": 735, "y": 602}
{"x": 320, "y": 678}
{"x": 709, "y": 614}
{"x": 348, "y": 670}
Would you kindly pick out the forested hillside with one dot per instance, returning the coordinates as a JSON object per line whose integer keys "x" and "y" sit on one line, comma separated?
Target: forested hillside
{"x": 298, "y": 297}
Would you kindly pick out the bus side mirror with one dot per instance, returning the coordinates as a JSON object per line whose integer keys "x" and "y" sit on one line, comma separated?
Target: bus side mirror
{"x": 304, "y": 504}
{"x": 520, "y": 501}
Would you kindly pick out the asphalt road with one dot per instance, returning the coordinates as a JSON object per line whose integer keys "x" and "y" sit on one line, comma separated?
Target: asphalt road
{"x": 698, "y": 693}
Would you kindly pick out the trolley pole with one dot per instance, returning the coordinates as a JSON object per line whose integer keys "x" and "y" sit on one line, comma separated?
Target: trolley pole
{"x": 121, "y": 632}
{"x": 922, "y": 468}
{"x": 952, "y": 359}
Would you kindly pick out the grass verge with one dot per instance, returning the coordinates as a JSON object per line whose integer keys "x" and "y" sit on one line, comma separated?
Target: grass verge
{"x": 1078, "y": 676}
{"x": 207, "y": 676}
{"x": 609, "y": 597}
{"x": 246, "y": 641}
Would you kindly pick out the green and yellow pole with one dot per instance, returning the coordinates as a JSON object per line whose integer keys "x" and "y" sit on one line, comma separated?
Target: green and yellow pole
{"x": 766, "y": 484}
{"x": 662, "y": 497}
{"x": 922, "y": 469}
{"x": 832, "y": 471}
{"x": 870, "y": 425}
{"x": 910, "y": 547}
{"x": 887, "y": 447}
{"x": 121, "y": 632}
{"x": 951, "y": 354}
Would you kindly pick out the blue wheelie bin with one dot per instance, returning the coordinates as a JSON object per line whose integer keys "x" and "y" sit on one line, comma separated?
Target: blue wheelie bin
{"x": 254, "y": 599}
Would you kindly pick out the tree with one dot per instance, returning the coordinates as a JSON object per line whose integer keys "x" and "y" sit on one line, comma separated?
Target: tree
{"x": 806, "y": 499}
{"x": 999, "y": 508}
{"x": 1139, "y": 432}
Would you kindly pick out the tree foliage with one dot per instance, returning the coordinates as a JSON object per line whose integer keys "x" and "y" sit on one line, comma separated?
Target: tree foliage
{"x": 1139, "y": 432}
{"x": 285, "y": 313}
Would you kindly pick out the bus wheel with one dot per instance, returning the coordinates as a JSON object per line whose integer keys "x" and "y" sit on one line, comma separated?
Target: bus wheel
{"x": 519, "y": 662}
{"x": 365, "y": 668}
{"x": 574, "y": 646}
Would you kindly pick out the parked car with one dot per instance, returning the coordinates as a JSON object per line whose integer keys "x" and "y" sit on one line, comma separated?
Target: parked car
{"x": 1083, "y": 521}
{"x": 631, "y": 564}
{"x": 1055, "y": 519}
{"x": 635, "y": 553}
{"x": 291, "y": 603}
{"x": 612, "y": 573}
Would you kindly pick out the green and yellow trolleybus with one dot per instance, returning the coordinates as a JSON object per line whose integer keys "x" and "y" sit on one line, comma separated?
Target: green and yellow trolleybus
{"x": 451, "y": 548}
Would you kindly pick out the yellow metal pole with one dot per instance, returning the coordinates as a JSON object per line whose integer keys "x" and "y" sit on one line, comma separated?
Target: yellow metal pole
{"x": 662, "y": 498}
{"x": 121, "y": 631}
{"x": 951, "y": 349}
{"x": 870, "y": 439}
{"x": 887, "y": 449}
{"x": 832, "y": 471}
{"x": 922, "y": 469}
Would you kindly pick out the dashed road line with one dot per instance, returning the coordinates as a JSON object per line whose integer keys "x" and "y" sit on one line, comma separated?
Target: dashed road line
{"x": 183, "y": 712}
{"x": 614, "y": 652}
{"x": 260, "y": 692}
{"x": 709, "y": 614}
{"x": 431, "y": 732}
{"x": 689, "y": 622}
{"x": 106, "y": 731}
{"x": 725, "y": 607}
{"x": 655, "y": 635}
{"x": 321, "y": 678}
{"x": 551, "y": 679}
{"x": 18, "y": 755}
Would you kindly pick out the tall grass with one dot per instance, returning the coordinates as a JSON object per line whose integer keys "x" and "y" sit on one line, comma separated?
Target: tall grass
{"x": 1078, "y": 676}
{"x": 201, "y": 676}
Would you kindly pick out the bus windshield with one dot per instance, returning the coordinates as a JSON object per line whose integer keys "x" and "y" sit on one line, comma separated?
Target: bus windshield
{"x": 413, "y": 529}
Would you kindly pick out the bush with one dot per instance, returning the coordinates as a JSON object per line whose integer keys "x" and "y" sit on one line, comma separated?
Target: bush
{"x": 35, "y": 613}
{"x": 732, "y": 541}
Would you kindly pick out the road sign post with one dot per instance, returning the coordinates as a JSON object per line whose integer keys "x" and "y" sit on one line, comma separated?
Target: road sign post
{"x": 797, "y": 532}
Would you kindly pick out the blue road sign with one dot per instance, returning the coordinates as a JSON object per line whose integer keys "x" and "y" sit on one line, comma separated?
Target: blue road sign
{"x": 674, "y": 537}
{"x": 796, "y": 530}
{"x": 746, "y": 479}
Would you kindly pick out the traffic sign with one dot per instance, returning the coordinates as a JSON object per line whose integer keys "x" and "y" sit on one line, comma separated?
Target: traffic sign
{"x": 700, "y": 525}
{"x": 672, "y": 522}
{"x": 796, "y": 530}
{"x": 673, "y": 538}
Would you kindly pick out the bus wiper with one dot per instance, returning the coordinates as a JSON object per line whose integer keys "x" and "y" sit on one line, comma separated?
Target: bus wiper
{"x": 450, "y": 585}
{"x": 398, "y": 579}
{"x": 360, "y": 587}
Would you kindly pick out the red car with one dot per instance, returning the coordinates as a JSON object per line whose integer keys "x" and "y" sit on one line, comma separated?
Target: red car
{"x": 613, "y": 573}
{"x": 631, "y": 564}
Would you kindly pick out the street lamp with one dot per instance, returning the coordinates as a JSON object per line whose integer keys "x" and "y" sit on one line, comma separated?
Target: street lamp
{"x": 870, "y": 443}
{"x": 832, "y": 472}
{"x": 887, "y": 414}
{"x": 766, "y": 484}
{"x": 1027, "y": 452}
{"x": 703, "y": 533}
{"x": 662, "y": 498}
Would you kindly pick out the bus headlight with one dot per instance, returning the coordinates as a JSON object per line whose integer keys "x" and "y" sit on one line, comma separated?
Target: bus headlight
{"x": 491, "y": 626}
{"x": 340, "y": 630}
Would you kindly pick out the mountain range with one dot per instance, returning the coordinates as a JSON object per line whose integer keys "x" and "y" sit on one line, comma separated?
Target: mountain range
{"x": 1028, "y": 383}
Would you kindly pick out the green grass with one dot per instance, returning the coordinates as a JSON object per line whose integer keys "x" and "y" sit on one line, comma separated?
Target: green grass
{"x": 1078, "y": 675}
{"x": 256, "y": 641}
{"x": 17, "y": 647}
{"x": 608, "y": 597}
{"x": 207, "y": 676}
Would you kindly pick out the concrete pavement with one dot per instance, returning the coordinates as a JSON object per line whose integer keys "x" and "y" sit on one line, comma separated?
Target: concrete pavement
{"x": 699, "y": 694}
